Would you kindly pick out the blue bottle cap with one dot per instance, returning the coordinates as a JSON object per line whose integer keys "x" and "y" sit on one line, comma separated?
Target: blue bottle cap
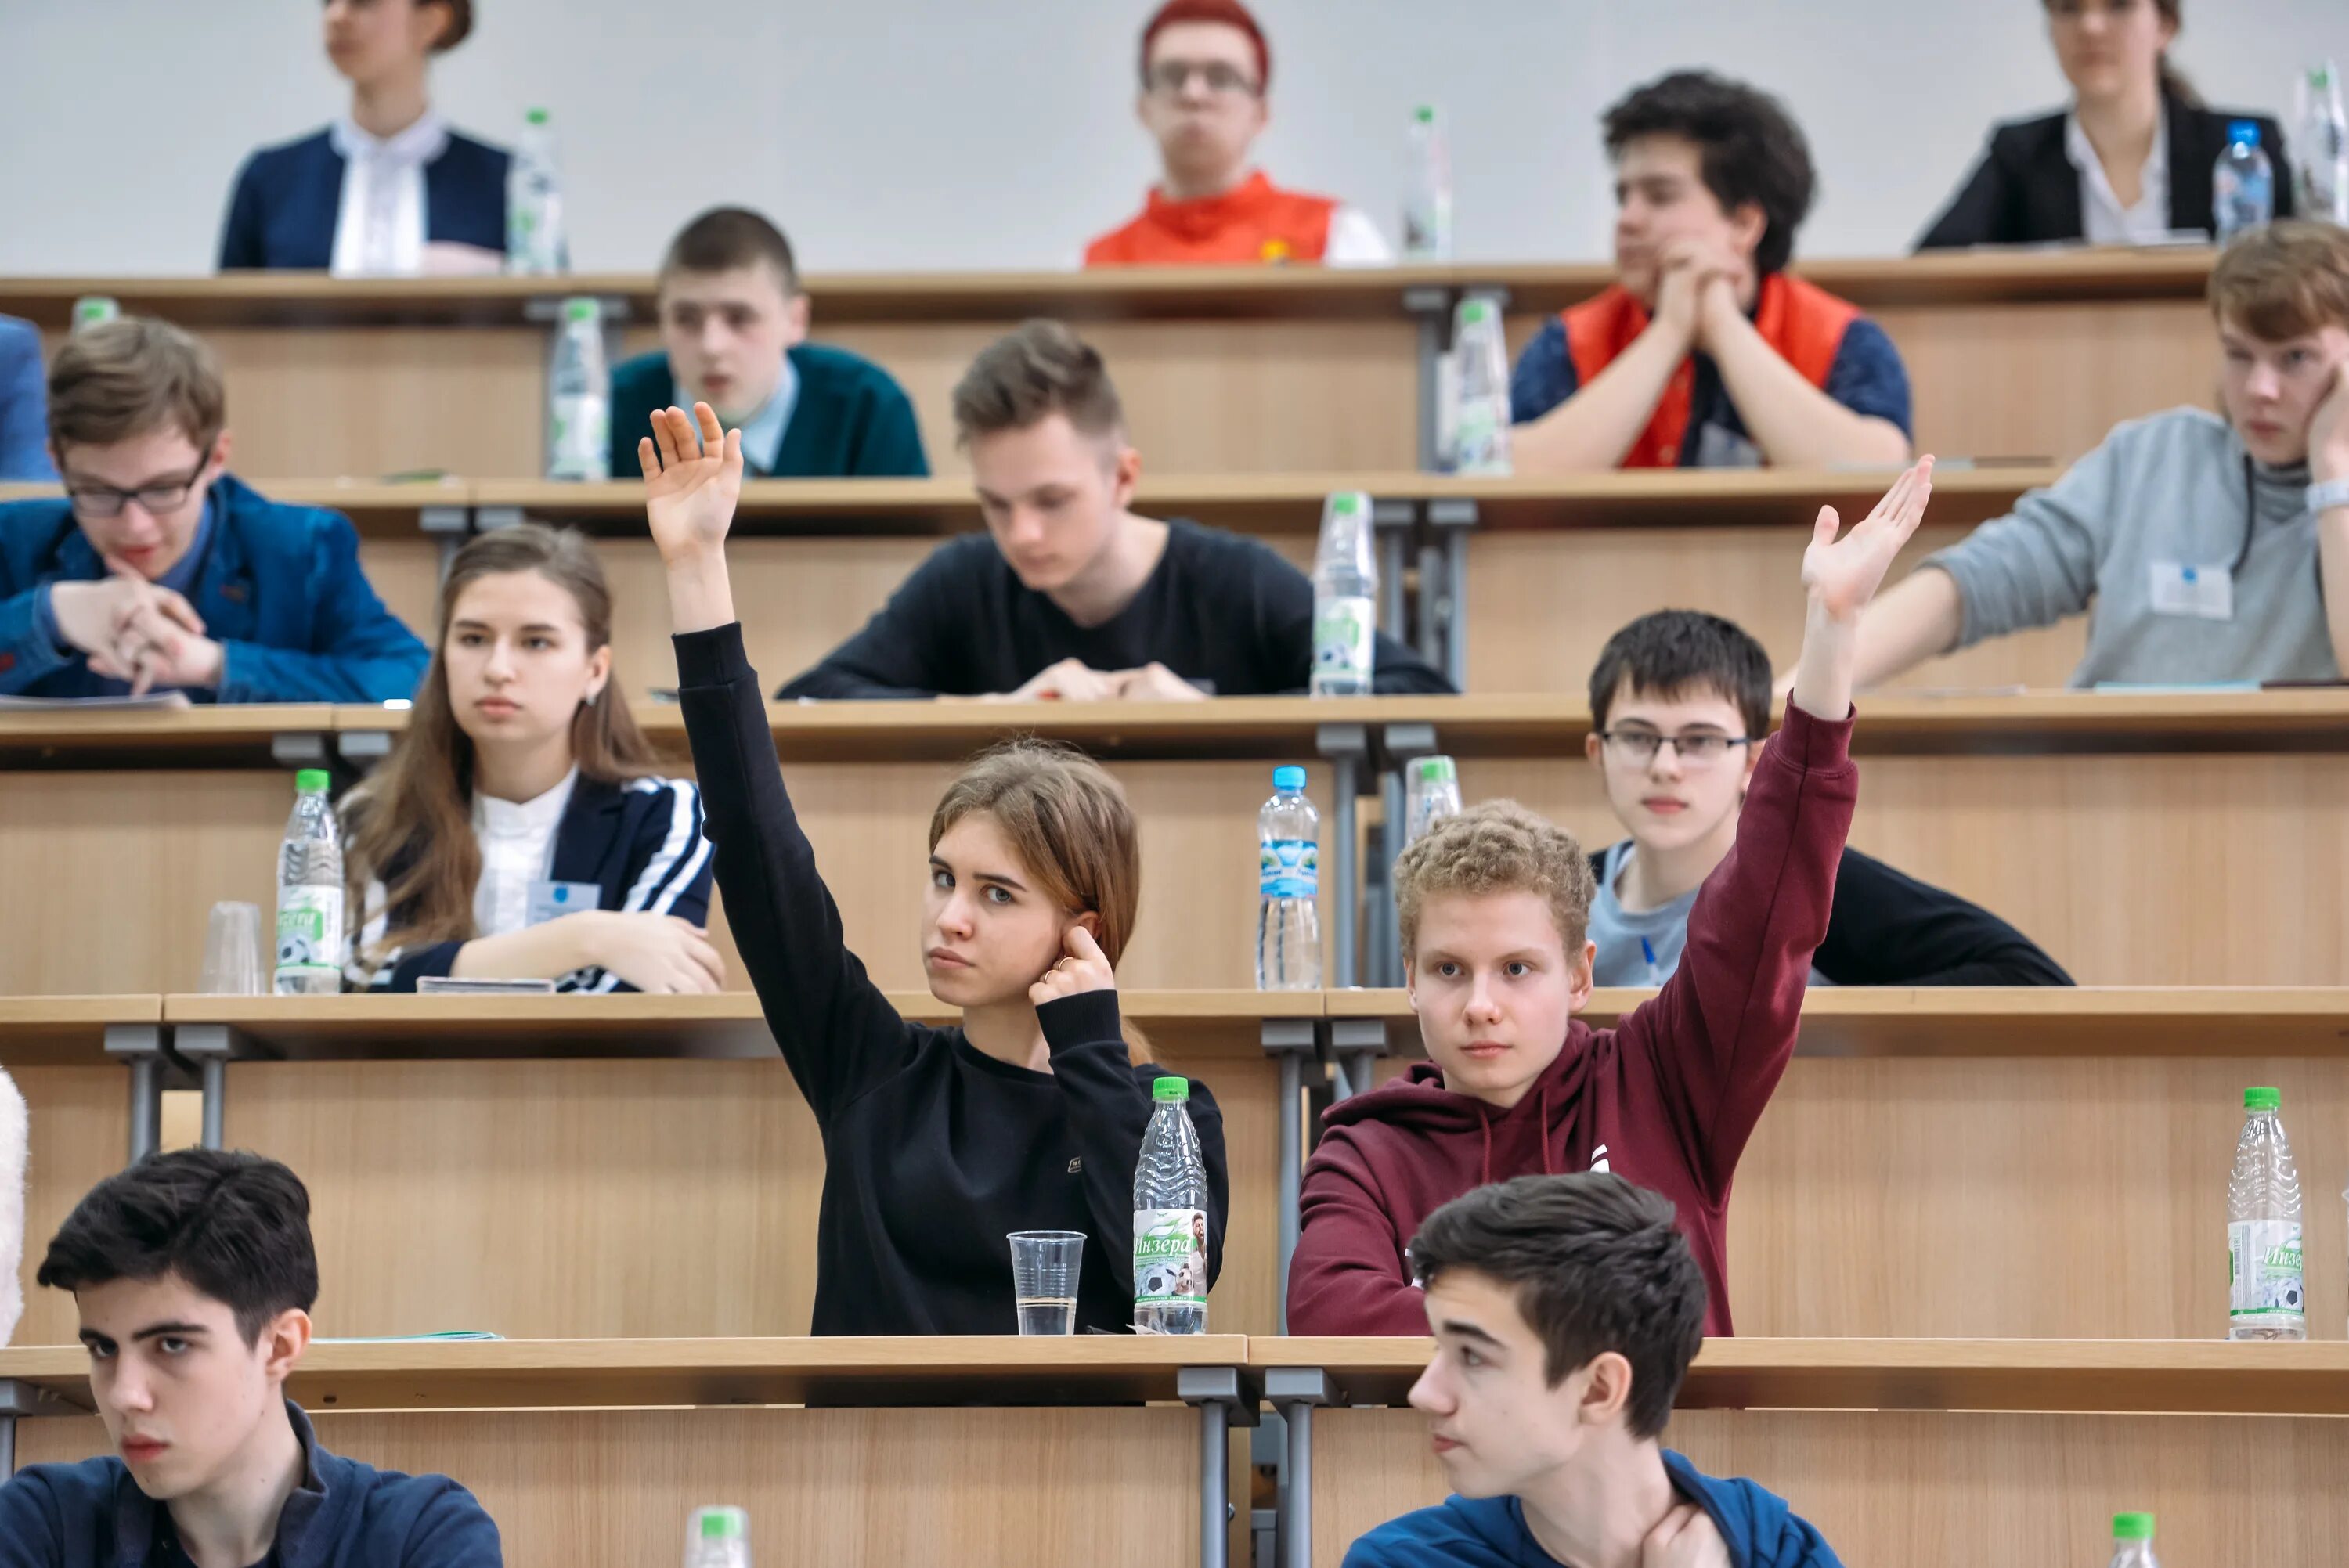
{"x": 1289, "y": 778}
{"x": 2246, "y": 131}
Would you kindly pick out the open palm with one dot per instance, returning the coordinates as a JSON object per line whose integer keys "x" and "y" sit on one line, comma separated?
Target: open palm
{"x": 692, "y": 480}
{"x": 1841, "y": 575}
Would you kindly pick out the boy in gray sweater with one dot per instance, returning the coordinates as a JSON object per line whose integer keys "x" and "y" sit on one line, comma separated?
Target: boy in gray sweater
{"x": 2211, "y": 550}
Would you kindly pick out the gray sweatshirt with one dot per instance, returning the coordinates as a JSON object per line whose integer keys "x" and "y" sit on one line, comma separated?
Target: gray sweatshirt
{"x": 2161, "y": 494}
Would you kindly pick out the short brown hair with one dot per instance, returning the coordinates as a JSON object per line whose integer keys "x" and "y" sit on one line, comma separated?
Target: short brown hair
{"x": 1039, "y": 368}
{"x": 1497, "y": 846}
{"x": 131, "y": 377}
{"x": 461, "y": 23}
{"x": 725, "y": 237}
{"x": 2283, "y": 279}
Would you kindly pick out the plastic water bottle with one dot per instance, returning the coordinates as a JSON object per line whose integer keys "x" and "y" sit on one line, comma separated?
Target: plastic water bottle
{"x": 717, "y": 1538}
{"x": 1427, "y": 191}
{"x": 579, "y": 397}
{"x": 2242, "y": 185}
{"x": 2133, "y": 1540}
{"x": 534, "y": 237}
{"x": 95, "y": 310}
{"x": 1345, "y": 599}
{"x": 1433, "y": 795}
{"x": 1480, "y": 424}
{"x": 310, "y": 892}
{"x": 2264, "y": 1296}
{"x": 1289, "y": 887}
{"x": 1170, "y": 1219}
{"x": 2320, "y": 145}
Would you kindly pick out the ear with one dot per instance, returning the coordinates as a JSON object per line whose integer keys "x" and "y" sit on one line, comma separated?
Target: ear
{"x": 1747, "y": 225}
{"x": 1411, "y": 980}
{"x": 1753, "y": 761}
{"x": 1606, "y": 1390}
{"x": 283, "y": 1342}
{"x": 1090, "y": 923}
{"x": 600, "y": 672}
{"x": 1578, "y": 981}
{"x": 796, "y": 315}
{"x": 223, "y": 449}
{"x": 1125, "y": 476}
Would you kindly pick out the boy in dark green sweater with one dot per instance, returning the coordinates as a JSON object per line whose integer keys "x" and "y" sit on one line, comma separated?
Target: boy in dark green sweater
{"x": 733, "y": 333}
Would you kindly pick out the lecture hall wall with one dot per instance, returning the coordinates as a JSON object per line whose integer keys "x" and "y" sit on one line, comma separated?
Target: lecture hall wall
{"x": 917, "y": 134}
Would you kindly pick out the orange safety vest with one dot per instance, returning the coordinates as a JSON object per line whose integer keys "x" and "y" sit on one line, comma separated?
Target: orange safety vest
{"x": 1255, "y": 221}
{"x": 1803, "y": 323}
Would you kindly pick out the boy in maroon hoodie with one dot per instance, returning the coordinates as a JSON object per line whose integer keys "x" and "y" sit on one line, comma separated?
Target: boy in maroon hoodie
{"x": 1495, "y": 905}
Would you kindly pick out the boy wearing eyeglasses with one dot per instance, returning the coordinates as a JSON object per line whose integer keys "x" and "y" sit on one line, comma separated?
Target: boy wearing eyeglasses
{"x": 160, "y": 571}
{"x": 1679, "y": 703}
{"x": 1494, "y": 909}
{"x": 1205, "y": 71}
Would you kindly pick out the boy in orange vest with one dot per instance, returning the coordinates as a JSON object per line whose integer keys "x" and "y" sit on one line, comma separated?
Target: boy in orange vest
{"x": 1204, "y": 69}
{"x": 1705, "y": 354}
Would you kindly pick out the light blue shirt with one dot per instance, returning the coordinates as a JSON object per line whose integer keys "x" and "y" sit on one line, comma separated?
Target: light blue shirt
{"x": 762, "y": 432}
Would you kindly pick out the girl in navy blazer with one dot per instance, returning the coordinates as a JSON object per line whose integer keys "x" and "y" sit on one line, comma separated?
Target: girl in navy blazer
{"x": 2128, "y": 163}
{"x": 388, "y": 188}
{"x": 517, "y": 831}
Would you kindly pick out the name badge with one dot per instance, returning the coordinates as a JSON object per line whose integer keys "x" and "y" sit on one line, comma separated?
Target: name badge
{"x": 2201, "y": 592}
{"x": 554, "y": 900}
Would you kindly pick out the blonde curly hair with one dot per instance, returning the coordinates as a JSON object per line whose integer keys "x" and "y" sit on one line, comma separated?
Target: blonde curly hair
{"x": 1497, "y": 846}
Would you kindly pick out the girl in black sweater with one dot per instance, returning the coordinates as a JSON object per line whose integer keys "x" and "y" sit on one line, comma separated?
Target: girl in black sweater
{"x": 937, "y": 1142}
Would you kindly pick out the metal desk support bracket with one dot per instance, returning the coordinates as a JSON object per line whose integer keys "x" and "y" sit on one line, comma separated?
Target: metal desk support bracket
{"x": 1443, "y": 608}
{"x": 1292, "y": 1042}
{"x": 1223, "y": 1402}
{"x": 363, "y": 749}
{"x": 1293, "y": 1392}
{"x": 140, "y": 1047}
{"x": 1432, "y": 308}
{"x": 1394, "y": 525}
{"x": 449, "y": 525}
{"x": 298, "y": 750}
{"x": 1399, "y": 744}
{"x": 1348, "y": 748}
{"x": 490, "y": 518}
{"x": 19, "y": 1400}
{"x": 208, "y": 1049}
{"x": 1354, "y": 1045}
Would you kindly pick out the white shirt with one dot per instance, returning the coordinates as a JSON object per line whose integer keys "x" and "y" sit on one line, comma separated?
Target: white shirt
{"x": 379, "y": 229}
{"x": 2103, "y": 220}
{"x": 1354, "y": 240}
{"x": 517, "y": 840}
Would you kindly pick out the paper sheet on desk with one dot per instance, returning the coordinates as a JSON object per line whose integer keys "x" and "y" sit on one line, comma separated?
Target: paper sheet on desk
{"x": 161, "y": 702}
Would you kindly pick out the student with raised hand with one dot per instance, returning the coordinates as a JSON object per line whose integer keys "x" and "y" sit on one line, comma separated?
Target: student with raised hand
{"x": 24, "y": 421}
{"x": 1679, "y": 704}
{"x": 2128, "y": 163}
{"x": 194, "y": 1274}
{"x": 159, "y": 570}
{"x": 939, "y": 1142}
{"x": 1071, "y": 594}
{"x": 519, "y": 829}
{"x": 1705, "y": 353}
{"x": 733, "y": 327}
{"x": 1493, "y": 908}
{"x": 1206, "y": 71}
{"x": 2213, "y": 547}
{"x": 1566, "y": 1311}
{"x": 388, "y": 188}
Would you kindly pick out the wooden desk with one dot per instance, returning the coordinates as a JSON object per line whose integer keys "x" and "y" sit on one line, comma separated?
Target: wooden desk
{"x": 1016, "y": 1451}
{"x": 1936, "y": 1453}
{"x": 202, "y": 736}
{"x": 1240, "y": 369}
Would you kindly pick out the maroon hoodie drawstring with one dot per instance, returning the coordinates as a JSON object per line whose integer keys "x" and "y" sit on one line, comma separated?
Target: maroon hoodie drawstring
{"x": 1547, "y": 1169}
{"x": 1485, "y": 1120}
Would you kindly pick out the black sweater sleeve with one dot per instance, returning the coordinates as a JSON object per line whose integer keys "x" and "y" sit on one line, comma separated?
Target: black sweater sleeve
{"x": 1109, "y": 1106}
{"x": 901, "y": 652}
{"x": 836, "y": 1029}
{"x": 1977, "y": 215}
{"x": 1887, "y": 928}
{"x": 1284, "y": 630}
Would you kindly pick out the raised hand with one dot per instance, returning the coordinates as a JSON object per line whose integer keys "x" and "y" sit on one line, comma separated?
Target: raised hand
{"x": 1084, "y": 969}
{"x": 693, "y": 477}
{"x": 1841, "y": 575}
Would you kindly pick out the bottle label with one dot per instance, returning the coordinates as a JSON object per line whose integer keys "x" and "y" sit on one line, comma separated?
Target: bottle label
{"x": 309, "y": 929}
{"x": 1170, "y": 1257}
{"x": 2263, "y": 1274}
{"x": 583, "y": 431}
{"x": 1345, "y": 640}
{"x": 1289, "y": 868}
{"x": 1480, "y": 442}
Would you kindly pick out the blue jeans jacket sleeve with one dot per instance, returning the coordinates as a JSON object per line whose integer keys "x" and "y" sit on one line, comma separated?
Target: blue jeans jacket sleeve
{"x": 24, "y": 405}
{"x": 359, "y": 652}
{"x": 29, "y": 649}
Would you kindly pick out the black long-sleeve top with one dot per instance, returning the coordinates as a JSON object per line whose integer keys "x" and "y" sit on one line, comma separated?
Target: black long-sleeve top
{"x": 933, "y": 1151}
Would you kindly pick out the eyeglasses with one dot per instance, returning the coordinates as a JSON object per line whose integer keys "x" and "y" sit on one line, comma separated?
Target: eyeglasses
{"x": 105, "y": 501}
{"x": 1167, "y": 77}
{"x": 1702, "y": 749}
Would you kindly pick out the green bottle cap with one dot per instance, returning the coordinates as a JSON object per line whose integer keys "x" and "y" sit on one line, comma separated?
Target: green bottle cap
{"x": 721, "y": 1523}
{"x": 1434, "y": 770}
{"x": 581, "y": 308}
{"x": 1346, "y": 503}
{"x": 534, "y": 115}
{"x": 1425, "y": 114}
{"x": 2263, "y": 1100}
{"x": 1474, "y": 311}
{"x": 2132, "y": 1527}
{"x": 313, "y": 782}
{"x": 1174, "y": 1090}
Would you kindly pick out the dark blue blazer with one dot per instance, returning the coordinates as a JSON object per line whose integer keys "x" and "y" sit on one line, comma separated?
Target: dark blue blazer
{"x": 640, "y": 842}
{"x": 288, "y": 199}
{"x": 24, "y": 403}
{"x": 279, "y": 588}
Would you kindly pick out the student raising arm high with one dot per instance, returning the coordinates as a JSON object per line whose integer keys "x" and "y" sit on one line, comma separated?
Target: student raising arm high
{"x": 1027, "y": 1115}
{"x": 518, "y": 830}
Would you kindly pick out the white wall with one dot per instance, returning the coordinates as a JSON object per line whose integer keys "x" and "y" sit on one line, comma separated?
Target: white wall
{"x": 941, "y": 133}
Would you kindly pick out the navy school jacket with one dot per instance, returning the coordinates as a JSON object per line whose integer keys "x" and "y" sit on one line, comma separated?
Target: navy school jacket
{"x": 288, "y": 199}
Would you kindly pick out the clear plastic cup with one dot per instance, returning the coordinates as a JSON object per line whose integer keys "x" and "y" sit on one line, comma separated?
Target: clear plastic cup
{"x": 232, "y": 952}
{"x": 1044, "y": 1270}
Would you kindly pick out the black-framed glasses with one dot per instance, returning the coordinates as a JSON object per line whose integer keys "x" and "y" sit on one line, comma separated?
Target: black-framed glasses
{"x": 1701, "y": 749}
{"x": 105, "y": 501}
{"x": 1167, "y": 78}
